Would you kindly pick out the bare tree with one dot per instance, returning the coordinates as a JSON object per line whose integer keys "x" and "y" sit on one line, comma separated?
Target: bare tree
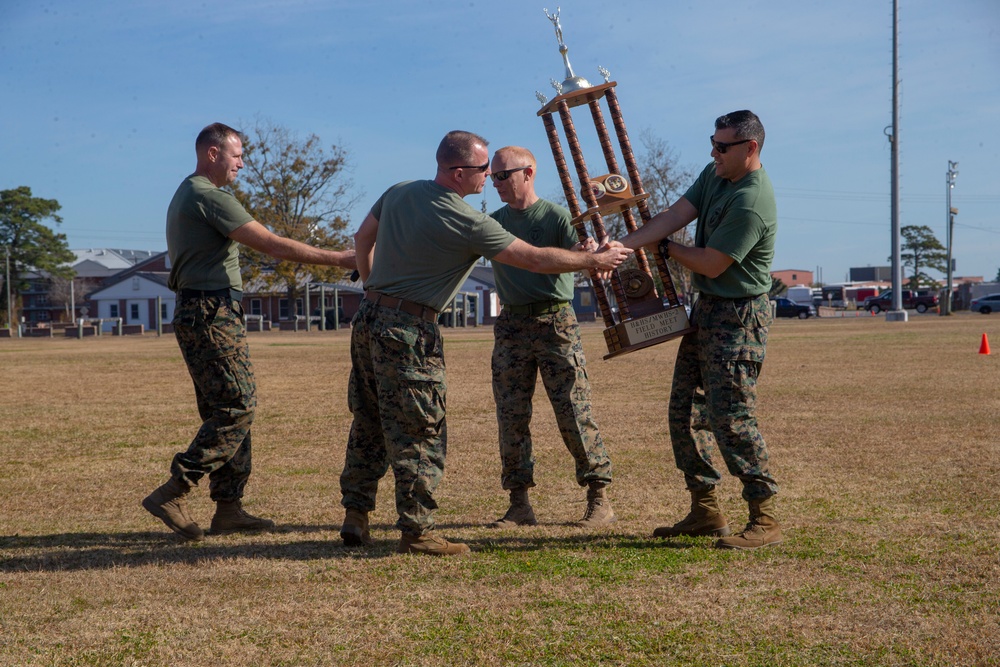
{"x": 299, "y": 190}
{"x": 665, "y": 181}
{"x": 60, "y": 294}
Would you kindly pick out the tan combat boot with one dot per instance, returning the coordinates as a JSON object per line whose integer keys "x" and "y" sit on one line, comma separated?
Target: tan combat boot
{"x": 167, "y": 504}
{"x": 599, "y": 512}
{"x": 519, "y": 513}
{"x": 355, "y": 531}
{"x": 762, "y": 530}
{"x": 429, "y": 544}
{"x": 705, "y": 518}
{"x": 230, "y": 517}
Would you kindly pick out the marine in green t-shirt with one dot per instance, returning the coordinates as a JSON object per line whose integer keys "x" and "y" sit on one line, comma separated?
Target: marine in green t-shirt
{"x": 740, "y": 220}
{"x": 542, "y": 224}
{"x": 537, "y": 333}
{"x": 713, "y": 398}
{"x": 204, "y": 226}
{"x": 429, "y": 239}
{"x": 200, "y": 219}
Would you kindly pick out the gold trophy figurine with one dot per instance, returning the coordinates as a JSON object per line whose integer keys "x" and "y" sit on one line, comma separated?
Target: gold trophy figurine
{"x": 643, "y": 317}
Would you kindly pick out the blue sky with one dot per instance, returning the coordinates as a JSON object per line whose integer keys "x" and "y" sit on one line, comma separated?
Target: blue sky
{"x": 100, "y": 101}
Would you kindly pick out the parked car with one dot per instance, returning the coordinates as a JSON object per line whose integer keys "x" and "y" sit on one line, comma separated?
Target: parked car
{"x": 921, "y": 300}
{"x": 787, "y": 308}
{"x": 986, "y": 304}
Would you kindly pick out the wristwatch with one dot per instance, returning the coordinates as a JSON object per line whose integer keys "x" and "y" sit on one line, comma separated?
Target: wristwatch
{"x": 665, "y": 248}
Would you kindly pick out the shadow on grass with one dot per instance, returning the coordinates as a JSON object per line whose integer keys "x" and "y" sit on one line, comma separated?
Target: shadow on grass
{"x": 98, "y": 551}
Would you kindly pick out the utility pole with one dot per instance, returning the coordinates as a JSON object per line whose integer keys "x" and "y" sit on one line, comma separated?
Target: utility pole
{"x": 7, "y": 284}
{"x": 896, "y": 314}
{"x": 950, "y": 184}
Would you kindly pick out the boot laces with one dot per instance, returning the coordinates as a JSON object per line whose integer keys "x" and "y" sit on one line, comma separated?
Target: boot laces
{"x": 592, "y": 505}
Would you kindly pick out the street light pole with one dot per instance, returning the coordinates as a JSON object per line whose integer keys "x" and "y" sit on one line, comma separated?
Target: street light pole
{"x": 896, "y": 312}
{"x": 950, "y": 183}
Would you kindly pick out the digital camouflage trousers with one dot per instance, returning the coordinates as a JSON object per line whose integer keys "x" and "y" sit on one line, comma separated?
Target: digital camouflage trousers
{"x": 396, "y": 394}
{"x": 212, "y": 338}
{"x": 524, "y": 346}
{"x": 713, "y": 400}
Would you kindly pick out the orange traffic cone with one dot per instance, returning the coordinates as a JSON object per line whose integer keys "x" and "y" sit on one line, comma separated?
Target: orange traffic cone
{"x": 984, "y": 347}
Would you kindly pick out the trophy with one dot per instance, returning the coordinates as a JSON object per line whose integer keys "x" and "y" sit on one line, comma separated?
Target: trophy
{"x": 643, "y": 317}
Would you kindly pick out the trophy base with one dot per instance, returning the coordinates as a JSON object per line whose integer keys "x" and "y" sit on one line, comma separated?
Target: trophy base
{"x": 641, "y": 332}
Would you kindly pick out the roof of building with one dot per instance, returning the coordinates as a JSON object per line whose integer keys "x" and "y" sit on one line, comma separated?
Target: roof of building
{"x": 484, "y": 274}
{"x": 153, "y": 277}
{"x": 99, "y": 262}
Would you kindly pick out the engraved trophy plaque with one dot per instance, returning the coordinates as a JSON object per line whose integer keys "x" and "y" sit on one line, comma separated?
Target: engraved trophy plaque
{"x": 644, "y": 317}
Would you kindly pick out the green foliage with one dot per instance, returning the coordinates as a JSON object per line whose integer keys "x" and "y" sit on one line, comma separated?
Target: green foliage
{"x": 921, "y": 249}
{"x": 298, "y": 190}
{"x": 32, "y": 245}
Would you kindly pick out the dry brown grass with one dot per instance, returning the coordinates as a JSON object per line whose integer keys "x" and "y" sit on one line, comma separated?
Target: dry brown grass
{"x": 883, "y": 438}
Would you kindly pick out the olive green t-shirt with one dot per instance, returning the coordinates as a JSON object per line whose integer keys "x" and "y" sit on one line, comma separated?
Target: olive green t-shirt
{"x": 740, "y": 220}
{"x": 543, "y": 225}
{"x": 428, "y": 240}
{"x": 200, "y": 219}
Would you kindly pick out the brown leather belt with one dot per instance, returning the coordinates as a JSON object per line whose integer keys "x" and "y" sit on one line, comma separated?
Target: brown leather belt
{"x": 409, "y": 307}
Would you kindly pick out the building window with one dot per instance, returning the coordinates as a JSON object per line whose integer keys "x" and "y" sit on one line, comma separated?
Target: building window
{"x": 135, "y": 284}
{"x": 113, "y": 310}
{"x": 133, "y": 312}
{"x": 282, "y": 309}
{"x": 255, "y": 307}
{"x": 163, "y": 312}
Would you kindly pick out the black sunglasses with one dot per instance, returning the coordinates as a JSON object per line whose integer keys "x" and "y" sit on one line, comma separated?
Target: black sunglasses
{"x": 505, "y": 174}
{"x": 479, "y": 168}
{"x": 722, "y": 146}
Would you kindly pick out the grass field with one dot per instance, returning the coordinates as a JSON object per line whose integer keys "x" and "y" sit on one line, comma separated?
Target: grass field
{"x": 883, "y": 437}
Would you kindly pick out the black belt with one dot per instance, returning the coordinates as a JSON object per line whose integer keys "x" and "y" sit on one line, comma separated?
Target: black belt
{"x": 409, "y": 307}
{"x": 229, "y": 292}
{"x": 536, "y": 308}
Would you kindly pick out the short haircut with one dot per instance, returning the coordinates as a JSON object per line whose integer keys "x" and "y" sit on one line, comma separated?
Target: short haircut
{"x": 215, "y": 134}
{"x": 746, "y": 124}
{"x": 458, "y": 147}
{"x": 520, "y": 153}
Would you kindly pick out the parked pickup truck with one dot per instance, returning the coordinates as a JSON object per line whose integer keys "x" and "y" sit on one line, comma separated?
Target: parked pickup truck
{"x": 921, "y": 300}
